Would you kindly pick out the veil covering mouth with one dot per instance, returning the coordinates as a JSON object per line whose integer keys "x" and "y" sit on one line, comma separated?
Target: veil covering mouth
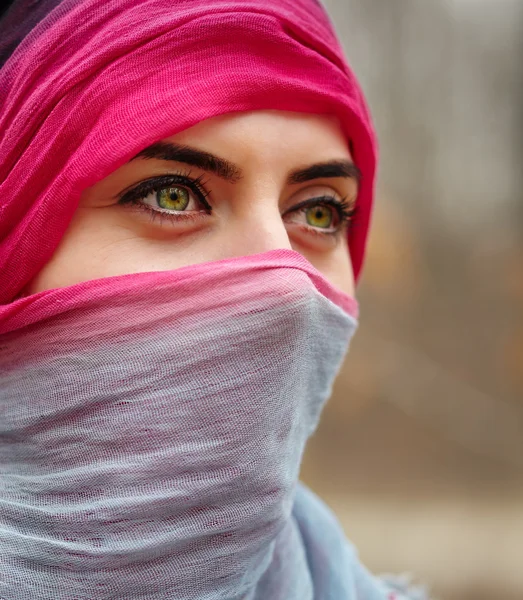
{"x": 152, "y": 425}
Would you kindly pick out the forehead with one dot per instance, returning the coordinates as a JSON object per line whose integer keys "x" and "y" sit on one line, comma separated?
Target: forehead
{"x": 261, "y": 136}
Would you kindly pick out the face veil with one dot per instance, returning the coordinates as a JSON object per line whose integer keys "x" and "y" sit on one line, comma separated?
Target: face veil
{"x": 153, "y": 428}
{"x": 152, "y": 425}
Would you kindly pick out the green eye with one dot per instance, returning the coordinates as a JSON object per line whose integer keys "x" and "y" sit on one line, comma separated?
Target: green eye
{"x": 319, "y": 216}
{"x": 173, "y": 198}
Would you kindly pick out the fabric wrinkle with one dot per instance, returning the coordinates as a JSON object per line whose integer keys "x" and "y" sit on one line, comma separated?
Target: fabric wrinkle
{"x": 170, "y": 482}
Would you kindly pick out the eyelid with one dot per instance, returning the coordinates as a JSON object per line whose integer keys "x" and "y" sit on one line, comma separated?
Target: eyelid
{"x": 326, "y": 193}
{"x": 344, "y": 208}
{"x": 137, "y": 192}
{"x": 140, "y": 190}
{"x": 156, "y": 179}
{"x": 342, "y": 189}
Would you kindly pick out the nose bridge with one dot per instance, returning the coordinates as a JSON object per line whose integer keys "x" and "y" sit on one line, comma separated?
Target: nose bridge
{"x": 259, "y": 226}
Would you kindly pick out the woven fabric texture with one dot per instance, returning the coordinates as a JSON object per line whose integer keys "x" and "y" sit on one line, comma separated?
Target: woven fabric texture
{"x": 152, "y": 431}
{"x": 95, "y": 82}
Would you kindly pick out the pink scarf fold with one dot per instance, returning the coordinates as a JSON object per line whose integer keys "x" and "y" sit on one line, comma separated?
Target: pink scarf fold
{"x": 95, "y": 82}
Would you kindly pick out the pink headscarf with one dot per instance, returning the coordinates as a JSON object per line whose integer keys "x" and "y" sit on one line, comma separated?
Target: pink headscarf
{"x": 95, "y": 82}
{"x": 156, "y": 452}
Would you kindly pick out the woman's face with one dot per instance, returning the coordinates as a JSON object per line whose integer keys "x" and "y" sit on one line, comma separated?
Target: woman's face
{"x": 230, "y": 186}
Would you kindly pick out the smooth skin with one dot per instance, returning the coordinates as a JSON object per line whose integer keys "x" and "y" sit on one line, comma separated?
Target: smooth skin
{"x": 252, "y": 200}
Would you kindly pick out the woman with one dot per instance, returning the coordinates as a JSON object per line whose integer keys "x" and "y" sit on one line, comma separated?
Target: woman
{"x": 185, "y": 197}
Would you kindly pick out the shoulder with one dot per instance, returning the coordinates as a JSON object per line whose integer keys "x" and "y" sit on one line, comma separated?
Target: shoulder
{"x": 402, "y": 587}
{"x": 333, "y": 560}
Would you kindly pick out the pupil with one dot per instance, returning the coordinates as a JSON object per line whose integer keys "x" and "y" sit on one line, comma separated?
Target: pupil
{"x": 319, "y": 216}
{"x": 173, "y": 198}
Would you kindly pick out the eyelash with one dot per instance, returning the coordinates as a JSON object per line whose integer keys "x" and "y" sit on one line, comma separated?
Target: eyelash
{"x": 134, "y": 196}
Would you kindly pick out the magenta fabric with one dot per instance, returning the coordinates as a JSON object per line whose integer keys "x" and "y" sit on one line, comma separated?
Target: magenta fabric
{"x": 40, "y": 307}
{"x": 95, "y": 82}
{"x": 151, "y": 434}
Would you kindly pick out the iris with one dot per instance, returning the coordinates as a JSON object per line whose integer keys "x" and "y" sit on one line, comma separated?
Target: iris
{"x": 319, "y": 216}
{"x": 173, "y": 198}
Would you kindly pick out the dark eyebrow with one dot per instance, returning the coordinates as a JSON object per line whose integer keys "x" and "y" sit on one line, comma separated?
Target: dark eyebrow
{"x": 330, "y": 169}
{"x": 232, "y": 173}
{"x": 196, "y": 158}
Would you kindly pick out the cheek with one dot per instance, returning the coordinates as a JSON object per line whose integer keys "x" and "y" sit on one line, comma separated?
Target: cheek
{"x": 344, "y": 271}
{"x": 90, "y": 249}
{"x": 341, "y": 275}
{"x": 335, "y": 266}
{"x": 101, "y": 242}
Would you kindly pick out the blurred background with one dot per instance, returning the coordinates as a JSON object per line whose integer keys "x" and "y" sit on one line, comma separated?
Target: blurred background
{"x": 420, "y": 450}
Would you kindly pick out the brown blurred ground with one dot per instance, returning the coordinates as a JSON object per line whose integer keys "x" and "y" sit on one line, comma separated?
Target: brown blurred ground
{"x": 420, "y": 451}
